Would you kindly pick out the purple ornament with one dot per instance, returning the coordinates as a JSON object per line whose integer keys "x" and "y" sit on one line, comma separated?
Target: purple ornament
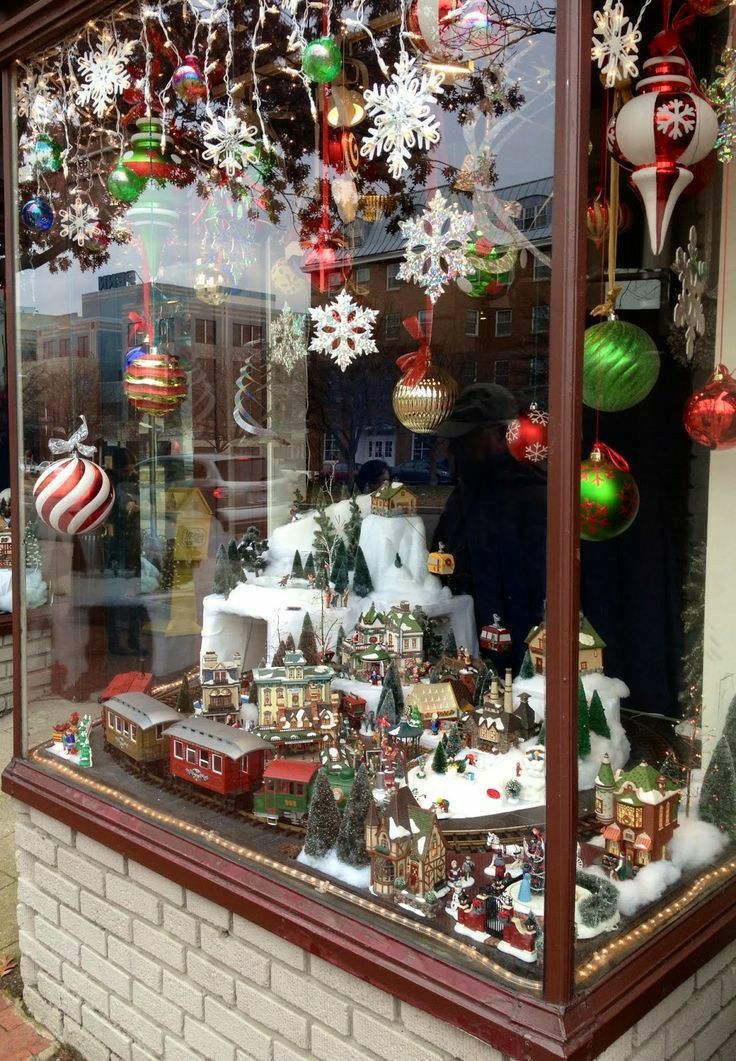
{"x": 188, "y": 80}
{"x": 37, "y": 214}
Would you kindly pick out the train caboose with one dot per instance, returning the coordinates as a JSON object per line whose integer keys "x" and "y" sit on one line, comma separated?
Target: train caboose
{"x": 216, "y": 757}
{"x": 136, "y": 724}
{"x": 287, "y": 789}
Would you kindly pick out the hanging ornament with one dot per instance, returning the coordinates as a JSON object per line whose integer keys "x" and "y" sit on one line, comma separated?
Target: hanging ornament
{"x": 124, "y": 185}
{"x": 429, "y": 29}
{"x": 74, "y": 495}
{"x": 471, "y": 32}
{"x": 692, "y": 274}
{"x": 346, "y": 198}
{"x": 492, "y": 268}
{"x": 343, "y": 330}
{"x": 425, "y": 395}
{"x": 615, "y": 45}
{"x": 188, "y": 81}
{"x": 229, "y": 142}
{"x": 596, "y": 219}
{"x": 526, "y": 436}
{"x": 154, "y": 382}
{"x": 104, "y": 73}
{"x": 151, "y": 156}
{"x": 609, "y": 496}
{"x": 343, "y": 153}
{"x": 80, "y": 221}
{"x": 37, "y": 214}
{"x": 286, "y": 281}
{"x": 212, "y": 282}
{"x": 620, "y": 365}
{"x": 710, "y": 413}
{"x": 722, "y": 94}
{"x": 287, "y": 345}
{"x": 435, "y": 246}
{"x": 322, "y": 60}
{"x": 45, "y": 154}
{"x": 327, "y": 258}
{"x": 373, "y": 206}
{"x": 248, "y": 387}
{"x": 708, "y": 7}
{"x": 664, "y": 130}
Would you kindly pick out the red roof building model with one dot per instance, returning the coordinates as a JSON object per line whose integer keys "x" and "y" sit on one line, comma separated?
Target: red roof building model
{"x": 290, "y": 770}
{"x": 132, "y": 681}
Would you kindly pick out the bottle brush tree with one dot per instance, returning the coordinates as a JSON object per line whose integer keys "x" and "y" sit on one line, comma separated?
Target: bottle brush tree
{"x": 583, "y": 722}
{"x": 391, "y": 681}
{"x": 297, "y": 571}
{"x": 454, "y": 741}
{"x": 351, "y": 838}
{"x": 308, "y": 641}
{"x": 527, "y": 667}
{"x": 221, "y": 581}
{"x": 309, "y": 570}
{"x": 278, "y": 656}
{"x": 362, "y": 584}
{"x": 340, "y": 579}
{"x": 439, "y": 759}
{"x": 387, "y": 706}
{"x": 352, "y": 532}
{"x": 234, "y": 563}
{"x": 323, "y": 823}
{"x": 718, "y": 794}
{"x": 339, "y": 556}
{"x": 598, "y": 721}
{"x": 450, "y": 644}
{"x": 184, "y": 702}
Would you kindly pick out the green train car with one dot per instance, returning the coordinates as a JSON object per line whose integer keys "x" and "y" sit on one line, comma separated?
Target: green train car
{"x": 288, "y": 784}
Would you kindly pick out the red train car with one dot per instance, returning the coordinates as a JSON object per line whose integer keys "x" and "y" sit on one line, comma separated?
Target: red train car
{"x": 354, "y": 707}
{"x": 217, "y": 757}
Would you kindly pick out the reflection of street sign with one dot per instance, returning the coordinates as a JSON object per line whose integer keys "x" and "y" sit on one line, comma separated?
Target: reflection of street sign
{"x": 115, "y": 280}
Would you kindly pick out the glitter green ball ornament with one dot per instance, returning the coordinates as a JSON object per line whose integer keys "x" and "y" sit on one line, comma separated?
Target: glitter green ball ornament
{"x": 46, "y": 154}
{"x": 609, "y": 496}
{"x": 322, "y": 61}
{"x": 620, "y": 365}
{"x": 124, "y": 185}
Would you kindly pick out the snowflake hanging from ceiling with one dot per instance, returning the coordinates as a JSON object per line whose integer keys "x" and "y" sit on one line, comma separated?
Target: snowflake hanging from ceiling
{"x": 402, "y": 115}
{"x": 617, "y": 50}
{"x": 33, "y": 101}
{"x": 722, "y": 94}
{"x": 104, "y": 73}
{"x": 286, "y": 345}
{"x": 435, "y": 246}
{"x": 80, "y": 222}
{"x": 343, "y": 330}
{"x": 692, "y": 274}
{"x": 230, "y": 142}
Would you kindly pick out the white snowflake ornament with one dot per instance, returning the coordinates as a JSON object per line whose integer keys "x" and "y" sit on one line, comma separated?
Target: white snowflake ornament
{"x": 229, "y": 142}
{"x": 80, "y": 222}
{"x": 692, "y": 274}
{"x": 286, "y": 345}
{"x": 34, "y": 102}
{"x": 343, "y": 330}
{"x": 104, "y": 73}
{"x": 617, "y": 50}
{"x": 435, "y": 246}
{"x": 676, "y": 118}
{"x": 402, "y": 115}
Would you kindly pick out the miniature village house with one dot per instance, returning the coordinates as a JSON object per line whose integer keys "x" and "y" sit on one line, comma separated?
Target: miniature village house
{"x": 220, "y": 684}
{"x": 405, "y": 843}
{"x": 645, "y": 805}
{"x": 381, "y": 637}
{"x": 6, "y": 543}
{"x": 404, "y": 636}
{"x": 435, "y": 701}
{"x": 590, "y": 648}
{"x": 283, "y": 692}
{"x": 393, "y": 499}
{"x": 500, "y": 725}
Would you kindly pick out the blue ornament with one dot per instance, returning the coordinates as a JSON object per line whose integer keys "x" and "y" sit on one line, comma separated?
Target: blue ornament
{"x": 37, "y": 214}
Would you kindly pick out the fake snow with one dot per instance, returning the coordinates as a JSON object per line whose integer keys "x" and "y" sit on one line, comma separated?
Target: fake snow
{"x": 478, "y": 937}
{"x": 695, "y": 844}
{"x": 333, "y": 867}
{"x": 649, "y": 884}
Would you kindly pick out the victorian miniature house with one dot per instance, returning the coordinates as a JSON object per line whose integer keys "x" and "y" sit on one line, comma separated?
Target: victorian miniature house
{"x": 393, "y": 499}
{"x": 282, "y": 692}
{"x": 220, "y": 684}
{"x": 590, "y": 648}
{"x": 404, "y": 842}
{"x": 404, "y": 637}
{"x": 645, "y": 805}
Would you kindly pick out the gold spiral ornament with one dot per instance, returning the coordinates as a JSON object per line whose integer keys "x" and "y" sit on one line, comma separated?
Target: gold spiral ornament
{"x": 422, "y": 407}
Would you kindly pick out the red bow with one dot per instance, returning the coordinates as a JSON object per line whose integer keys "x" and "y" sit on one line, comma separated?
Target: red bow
{"x": 611, "y": 456}
{"x": 414, "y": 366}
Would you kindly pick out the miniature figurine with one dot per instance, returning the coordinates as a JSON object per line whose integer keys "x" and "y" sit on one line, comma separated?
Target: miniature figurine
{"x": 468, "y": 868}
{"x": 453, "y": 873}
{"x": 525, "y": 888}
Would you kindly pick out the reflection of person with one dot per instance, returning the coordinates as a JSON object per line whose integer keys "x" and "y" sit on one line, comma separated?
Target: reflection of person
{"x": 372, "y": 475}
{"x": 124, "y": 555}
{"x": 494, "y": 522}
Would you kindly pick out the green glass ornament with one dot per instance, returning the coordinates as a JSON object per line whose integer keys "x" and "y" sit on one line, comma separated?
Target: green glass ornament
{"x": 46, "y": 154}
{"x": 322, "y": 61}
{"x": 125, "y": 185}
{"x": 620, "y": 365}
{"x": 609, "y": 496}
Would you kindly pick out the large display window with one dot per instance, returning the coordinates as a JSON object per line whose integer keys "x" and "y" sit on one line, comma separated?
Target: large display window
{"x": 373, "y": 480}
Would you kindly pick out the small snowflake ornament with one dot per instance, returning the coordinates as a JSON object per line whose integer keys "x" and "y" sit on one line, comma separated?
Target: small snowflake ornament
{"x": 343, "y": 330}
{"x": 402, "y": 115}
{"x": 287, "y": 346}
{"x": 675, "y": 118}
{"x": 617, "y": 49}
{"x": 435, "y": 246}
{"x": 229, "y": 142}
{"x": 80, "y": 222}
{"x": 34, "y": 101}
{"x": 692, "y": 274}
{"x": 104, "y": 73}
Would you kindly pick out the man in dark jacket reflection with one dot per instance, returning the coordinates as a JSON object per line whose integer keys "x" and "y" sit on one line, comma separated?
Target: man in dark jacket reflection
{"x": 494, "y": 522}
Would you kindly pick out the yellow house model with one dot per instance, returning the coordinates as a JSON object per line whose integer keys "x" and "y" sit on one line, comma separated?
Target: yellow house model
{"x": 590, "y": 648}
{"x": 393, "y": 499}
{"x": 288, "y": 689}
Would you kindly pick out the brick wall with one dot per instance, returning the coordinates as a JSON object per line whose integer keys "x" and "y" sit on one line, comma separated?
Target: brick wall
{"x": 38, "y": 656}
{"x": 119, "y": 962}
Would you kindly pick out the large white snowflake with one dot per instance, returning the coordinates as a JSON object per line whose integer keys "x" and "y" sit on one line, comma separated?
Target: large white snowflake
{"x": 617, "y": 50}
{"x": 286, "y": 345}
{"x": 676, "y": 117}
{"x": 80, "y": 222}
{"x": 104, "y": 72}
{"x": 692, "y": 274}
{"x": 402, "y": 114}
{"x": 435, "y": 246}
{"x": 230, "y": 142}
{"x": 343, "y": 330}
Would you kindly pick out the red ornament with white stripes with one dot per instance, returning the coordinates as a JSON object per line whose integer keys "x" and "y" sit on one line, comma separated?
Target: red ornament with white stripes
{"x": 74, "y": 495}
{"x": 526, "y": 436}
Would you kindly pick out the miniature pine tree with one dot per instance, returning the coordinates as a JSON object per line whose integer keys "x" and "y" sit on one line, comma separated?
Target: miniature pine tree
{"x": 671, "y": 768}
{"x": 278, "y": 656}
{"x": 439, "y": 759}
{"x": 324, "y": 540}
{"x": 352, "y": 532}
{"x": 221, "y": 582}
{"x": 297, "y": 571}
{"x": 184, "y": 702}
{"x": 168, "y": 569}
{"x": 308, "y": 641}
{"x": 309, "y": 571}
{"x": 541, "y": 736}
{"x": 362, "y": 584}
{"x": 729, "y": 728}
{"x": 235, "y": 567}
{"x": 450, "y": 646}
{"x": 340, "y": 579}
{"x": 454, "y": 741}
{"x": 392, "y": 682}
{"x": 34, "y": 559}
{"x": 598, "y": 721}
{"x": 323, "y": 824}
{"x": 527, "y": 667}
{"x": 718, "y": 794}
{"x": 431, "y": 641}
{"x": 483, "y": 684}
{"x": 339, "y": 555}
{"x": 339, "y": 642}
{"x": 351, "y": 839}
{"x": 583, "y": 722}
{"x": 290, "y": 645}
{"x": 387, "y": 706}
{"x": 397, "y": 561}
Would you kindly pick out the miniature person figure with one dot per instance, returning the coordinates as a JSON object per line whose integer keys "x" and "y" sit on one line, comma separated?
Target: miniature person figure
{"x": 435, "y": 724}
{"x": 468, "y": 868}
{"x": 499, "y": 866}
{"x": 470, "y": 766}
{"x": 375, "y": 675}
{"x": 518, "y": 769}
{"x": 525, "y": 888}
{"x": 372, "y": 721}
{"x": 453, "y": 873}
{"x": 463, "y": 907}
{"x": 421, "y": 761}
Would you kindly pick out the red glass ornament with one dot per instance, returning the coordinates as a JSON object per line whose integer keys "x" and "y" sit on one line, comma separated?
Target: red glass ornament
{"x": 74, "y": 495}
{"x": 327, "y": 261}
{"x": 710, "y": 413}
{"x": 343, "y": 151}
{"x": 526, "y": 436}
{"x": 430, "y": 29}
{"x": 707, "y": 7}
{"x": 154, "y": 383}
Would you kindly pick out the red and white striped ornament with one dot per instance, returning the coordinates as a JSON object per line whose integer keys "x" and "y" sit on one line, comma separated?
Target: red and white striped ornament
{"x": 73, "y": 495}
{"x": 154, "y": 383}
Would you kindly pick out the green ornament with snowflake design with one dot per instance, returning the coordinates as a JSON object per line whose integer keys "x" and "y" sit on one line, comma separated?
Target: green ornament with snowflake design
{"x": 609, "y": 496}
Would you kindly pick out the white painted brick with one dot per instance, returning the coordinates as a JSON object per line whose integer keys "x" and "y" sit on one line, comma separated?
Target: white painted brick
{"x": 211, "y": 912}
{"x": 54, "y": 883}
{"x": 49, "y": 1016}
{"x": 326, "y": 1046}
{"x": 52, "y": 827}
{"x": 304, "y": 992}
{"x": 686, "y": 1054}
{"x": 81, "y": 870}
{"x": 667, "y": 1008}
{"x": 266, "y": 941}
{"x": 160, "y": 945}
{"x": 728, "y": 984}
{"x": 40, "y": 845}
{"x": 240, "y": 1055}
{"x": 245, "y": 961}
{"x": 59, "y": 940}
{"x": 652, "y": 1050}
{"x": 261, "y": 1006}
{"x": 176, "y": 1051}
{"x": 716, "y": 1033}
{"x": 40, "y": 955}
{"x": 160, "y": 886}
{"x": 20, "y": 810}
{"x": 284, "y": 1052}
{"x": 83, "y": 986}
{"x": 139, "y": 901}
{"x": 100, "y": 912}
{"x": 25, "y": 917}
{"x": 88, "y": 1045}
{"x": 446, "y": 1037}
{"x": 100, "y": 853}
{"x": 237, "y": 1029}
{"x": 699, "y": 1010}
{"x": 25, "y": 863}
{"x": 43, "y": 904}
{"x": 140, "y": 967}
{"x": 357, "y": 991}
{"x": 619, "y": 1050}
{"x": 183, "y": 926}
{"x": 715, "y": 965}
{"x": 210, "y": 976}
{"x": 104, "y": 1030}
{"x": 28, "y": 971}
{"x": 183, "y": 994}
{"x": 108, "y": 974}
{"x": 137, "y": 1053}
{"x": 158, "y": 1008}
{"x": 58, "y": 996}
{"x": 207, "y": 1043}
{"x": 84, "y": 931}
{"x": 388, "y": 1042}
{"x": 144, "y": 1030}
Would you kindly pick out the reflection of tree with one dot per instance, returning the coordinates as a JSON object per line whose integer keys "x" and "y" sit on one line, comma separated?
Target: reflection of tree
{"x": 56, "y": 392}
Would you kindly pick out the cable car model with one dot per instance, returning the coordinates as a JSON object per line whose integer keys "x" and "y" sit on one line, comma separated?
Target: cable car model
{"x": 440, "y": 562}
{"x": 494, "y": 637}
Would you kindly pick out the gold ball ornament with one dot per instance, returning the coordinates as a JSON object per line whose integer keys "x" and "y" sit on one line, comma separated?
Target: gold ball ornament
{"x": 421, "y": 407}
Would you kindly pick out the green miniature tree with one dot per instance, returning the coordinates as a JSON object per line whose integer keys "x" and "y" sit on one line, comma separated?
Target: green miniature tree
{"x": 541, "y": 736}
{"x": 278, "y": 656}
{"x": 297, "y": 571}
{"x": 323, "y": 543}
{"x": 432, "y": 642}
{"x": 483, "y": 684}
{"x": 308, "y": 641}
{"x": 439, "y": 759}
{"x": 352, "y": 532}
{"x": 450, "y": 646}
{"x": 221, "y": 582}
{"x": 718, "y": 794}
{"x": 583, "y": 722}
{"x": 598, "y": 721}
{"x": 339, "y": 556}
{"x": 34, "y": 560}
{"x": 527, "y": 667}
{"x": 729, "y": 728}
{"x": 351, "y": 838}
{"x": 454, "y": 741}
{"x": 323, "y": 824}
{"x": 340, "y": 579}
{"x": 671, "y": 768}
{"x": 391, "y": 681}
{"x": 397, "y": 561}
{"x": 339, "y": 642}
{"x": 184, "y": 702}
{"x": 290, "y": 644}
{"x": 235, "y": 567}
{"x": 362, "y": 584}
{"x": 309, "y": 571}
{"x": 387, "y": 706}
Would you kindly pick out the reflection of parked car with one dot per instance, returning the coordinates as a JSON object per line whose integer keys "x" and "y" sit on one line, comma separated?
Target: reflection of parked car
{"x": 337, "y": 471}
{"x": 419, "y": 471}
